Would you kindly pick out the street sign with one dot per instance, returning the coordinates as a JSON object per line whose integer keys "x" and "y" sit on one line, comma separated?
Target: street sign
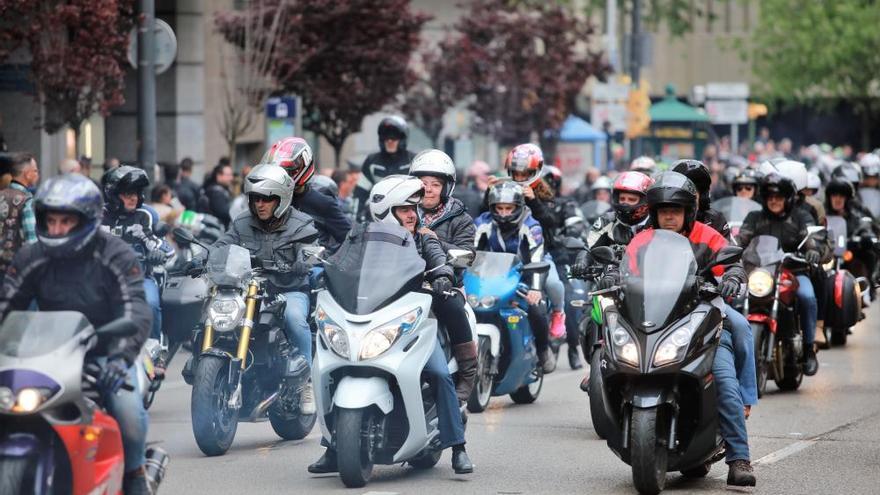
{"x": 608, "y": 104}
{"x": 166, "y": 46}
{"x": 728, "y": 111}
{"x": 281, "y": 107}
{"x": 727, "y": 91}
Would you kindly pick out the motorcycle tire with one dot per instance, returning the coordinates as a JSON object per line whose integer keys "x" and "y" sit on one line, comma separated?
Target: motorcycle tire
{"x": 214, "y": 423}
{"x": 13, "y": 473}
{"x": 762, "y": 367}
{"x": 648, "y": 457}
{"x": 838, "y": 336}
{"x": 597, "y": 409}
{"x": 290, "y": 425}
{"x": 426, "y": 460}
{"x": 482, "y": 392}
{"x": 792, "y": 375}
{"x": 529, "y": 393}
{"x": 353, "y": 455}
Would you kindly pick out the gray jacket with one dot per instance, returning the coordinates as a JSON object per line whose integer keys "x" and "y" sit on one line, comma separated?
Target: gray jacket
{"x": 455, "y": 230}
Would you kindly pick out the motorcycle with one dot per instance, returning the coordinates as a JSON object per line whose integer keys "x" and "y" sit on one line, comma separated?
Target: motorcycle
{"x": 508, "y": 364}
{"x": 55, "y": 435}
{"x": 375, "y": 335}
{"x": 772, "y": 311}
{"x": 864, "y": 240}
{"x": 661, "y": 329}
{"x": 245, "y": 368}
{"x": 735, "y": 210}
{"x": 844, "y": 293}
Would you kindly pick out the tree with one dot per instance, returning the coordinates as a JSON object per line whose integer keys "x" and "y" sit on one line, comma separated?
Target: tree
{"x": 820, "y": 53}
{"x": 523, "y": 64}
{"x": 434, "y": 92}
{"x": 77, "y": 54}
{"x": 345, "y": 59}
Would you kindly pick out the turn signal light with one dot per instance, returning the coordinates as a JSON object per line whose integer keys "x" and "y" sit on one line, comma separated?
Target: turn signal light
{"x": 847, "y": 256}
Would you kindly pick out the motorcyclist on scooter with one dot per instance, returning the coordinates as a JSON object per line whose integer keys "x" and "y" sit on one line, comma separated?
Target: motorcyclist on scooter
{"x": 75, "y": 266}
{"x": 509, "y": 228}
{"x": 394, "y": 200}
{"x": 276, "y": 233}
{"x": 781, "y": 219}
{"x": 446, "y": 219}
{"x": 672, "y": 201}
{"x": 126, "y": 216}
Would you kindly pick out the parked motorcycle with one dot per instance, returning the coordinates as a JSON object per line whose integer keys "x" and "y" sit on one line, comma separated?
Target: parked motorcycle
{"x": 245, "y": 368}
{"x": 661, "y": 329}
{"x": 375, "y": 335}
{"x": 55, "y": 436}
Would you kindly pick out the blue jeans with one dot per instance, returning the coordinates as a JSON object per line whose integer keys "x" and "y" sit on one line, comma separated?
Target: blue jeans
{"x": 448, "y": 414}
{"x": 744, "y": 355}
{"x": 809, "y": 308}
{"x": 554, "y": 287}
{"x": 127, "y": 407}
{"x": 296, "y": 325}
{"x": 151, "y": 292}
{"x": 731, "y": 414}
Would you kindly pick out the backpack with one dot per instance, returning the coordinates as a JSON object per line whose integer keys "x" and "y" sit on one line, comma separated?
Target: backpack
{"x": 12, "y": 203}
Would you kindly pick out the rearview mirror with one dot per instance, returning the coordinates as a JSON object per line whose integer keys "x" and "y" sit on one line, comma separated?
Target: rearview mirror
{"x": 461, "y": 258}
{"x": 538, "y": 272}
{"x": 815, "y": 229}
{"x": 603, "y": 254}
{"x": 313, "y": 252}
{"x": 118, "y": 328}
{"x": 183, "y": 236}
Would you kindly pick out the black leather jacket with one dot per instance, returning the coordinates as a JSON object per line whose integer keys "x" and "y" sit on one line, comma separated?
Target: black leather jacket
{"x": 789, "y": 230}
{"x": 104, "y": 282}
{"x": 137, "y": 229}
{"x": 375, "y": 168}
{"x": 330, "y": 221}
{"x": 281, "y": 246}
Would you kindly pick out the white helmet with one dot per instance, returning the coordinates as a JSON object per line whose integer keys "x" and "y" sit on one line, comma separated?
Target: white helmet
{"x": 602, "y": 182}
{"x": 435, "y": 163}
{"x": 813, "y": 181}
{"x": 767, "y": 167}
{"x": 644, "y": 164}
{"x": 796, "y": 171}
{"x": 392, "y": 191}
{"x": 270, "y": 180}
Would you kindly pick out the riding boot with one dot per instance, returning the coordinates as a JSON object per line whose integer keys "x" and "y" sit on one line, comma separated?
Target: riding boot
{"x": 461, "y": 463}
{"x": 811, "y": 364}
{"x": 326, "y": 464}
{"x": 466, "y": 355}
{"x": 135, "y": 482}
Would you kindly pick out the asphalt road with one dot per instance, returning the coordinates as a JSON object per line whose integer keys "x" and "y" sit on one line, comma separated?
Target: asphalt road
{"x": 823, "y": 438}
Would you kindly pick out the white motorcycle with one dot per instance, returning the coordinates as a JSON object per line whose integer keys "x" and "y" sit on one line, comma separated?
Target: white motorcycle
{"x": 375, "y": 335}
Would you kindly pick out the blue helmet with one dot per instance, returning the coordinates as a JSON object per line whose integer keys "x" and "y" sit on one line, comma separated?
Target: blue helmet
{"x": 69, "y": 193}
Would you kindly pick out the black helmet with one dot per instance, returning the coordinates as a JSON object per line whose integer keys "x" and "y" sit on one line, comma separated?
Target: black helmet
{"x": 507, "y": 192}
{"x": 393, "y": 127}
{"x": 841, "y": 187}
{"x": 123, "y": 179}
{"x": 848, "y": 172}
{"x": 673, "y": 188}
{"x": 748, "y": 176}
{"x": 68, "y": 193}
{"x": 775, "y": 183}
{"x": 697, "y": 172}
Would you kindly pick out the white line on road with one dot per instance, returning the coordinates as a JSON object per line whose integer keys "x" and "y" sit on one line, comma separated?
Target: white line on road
{"x": 784, "y": 452}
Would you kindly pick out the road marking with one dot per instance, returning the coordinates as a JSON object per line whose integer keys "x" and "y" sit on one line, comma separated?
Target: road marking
{"x": 381, "y": 493}
{"x": 784, "y": 452}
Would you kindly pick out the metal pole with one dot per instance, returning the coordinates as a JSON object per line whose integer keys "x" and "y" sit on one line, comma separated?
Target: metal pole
{"x": 611, "y": 23}
{"x": 734, "y": 139}
{"x": 635, "y": 49}
{"x": 146, "y": 94}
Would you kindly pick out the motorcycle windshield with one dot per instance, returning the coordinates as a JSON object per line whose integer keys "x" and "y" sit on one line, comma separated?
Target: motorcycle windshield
{"x": 594, "y": 209}
{"x": 837, "y": 233}
{"x": 657, "y": 271}
{"x": 374, "y": 268}
{"x": 735, "y": 209}
{"x": 764, "y": 250}
{"x": 229, "y": 266}
{"x": 492, "y": 274}
{"x": 871, "y": 200}
{"x": 26, "y": 334}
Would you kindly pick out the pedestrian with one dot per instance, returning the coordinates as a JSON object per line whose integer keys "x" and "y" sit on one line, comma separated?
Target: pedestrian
{"x": 215, "y": 198}
{"x": 19, "y": 225}
{"x": 180, "y": 181}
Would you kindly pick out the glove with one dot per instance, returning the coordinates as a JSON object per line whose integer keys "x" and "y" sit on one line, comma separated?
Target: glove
{"x": 441, "y": 286}
{"x": 113, "y": 375}
{"x": 610, "y": 279}
{"x": 812, "y": 256}
{"x": 728, "y": 288}
{"x": 579, "y": 269}
{"x": 155, "y": 257}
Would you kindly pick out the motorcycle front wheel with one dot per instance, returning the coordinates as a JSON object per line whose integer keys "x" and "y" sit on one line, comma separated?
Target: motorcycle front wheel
{"x": 762, "y": 367}
{"x": 288, "y": 422}
{"x": 647, "y": 456}
{"x": 482, "y": 392}
{"x": 13, "y": 475}
{"x": 214, "y": 423}
{"x": 353, "y": 447}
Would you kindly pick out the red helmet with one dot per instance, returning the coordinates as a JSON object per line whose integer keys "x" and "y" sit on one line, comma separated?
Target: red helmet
{"x": 525, "y": 158}
{"x": 636, "y": 183}
{"x": 295, "y": 156}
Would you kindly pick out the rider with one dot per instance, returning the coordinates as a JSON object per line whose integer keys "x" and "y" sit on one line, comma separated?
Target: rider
{"x": 782, "y": 220}
{"x": 672, "y": 201}
{"x": 644, "y": 164}
{"x": 509, "y": 228}
{"x": 700, "y": 175}
{"x": 445, "y": 218}
{"x": 840, "y": 200}
{"x": 797, "y": 173}
{"x": 75, "y": 266}
{"x": 393, "y": 158}
{"x": 394, "y": 200}
{"x": 295, "y": 156}
{"x": 126, "y": 216}
{"x": 747, "y": 183}
{"x": 601, "y": 190}
{"x": 273, "y": 231}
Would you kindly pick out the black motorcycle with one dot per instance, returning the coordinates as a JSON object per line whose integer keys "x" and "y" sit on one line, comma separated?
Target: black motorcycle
{"x": 661, "y": 328}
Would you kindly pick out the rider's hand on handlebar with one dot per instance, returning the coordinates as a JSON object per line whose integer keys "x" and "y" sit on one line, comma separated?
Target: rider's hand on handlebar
{"x": 728, "y": 288}
{"x": 155, "y": 257}
{"x": 533, "y": 297}
{"x": 113, "y": 375}
{"x": 610, "y": 279}
{"x": 441, "y": 286}
{"x": 812, "y": 256}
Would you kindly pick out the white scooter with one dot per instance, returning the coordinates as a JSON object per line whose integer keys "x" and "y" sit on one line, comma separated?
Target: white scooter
{"x": 375, "y": 336}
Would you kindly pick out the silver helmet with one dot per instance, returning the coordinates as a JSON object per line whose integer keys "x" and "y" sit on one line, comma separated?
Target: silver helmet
{"x": 393, "y": 191}
{"x": 270, "y": 180}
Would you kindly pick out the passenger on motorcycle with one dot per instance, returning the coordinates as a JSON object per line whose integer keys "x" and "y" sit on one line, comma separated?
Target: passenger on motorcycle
{"x": 275, "y": 233}
{"x": 630, "y": 213}
{"x": 781, "y": 219}
{"x": 394, "y": 200}
{"x": 445, "y": 218}
{"x": 127, "y": 217}
{"x": 672, "y": 201}
{"x": 509, "y": 228}
{"x": 75, "y": 266}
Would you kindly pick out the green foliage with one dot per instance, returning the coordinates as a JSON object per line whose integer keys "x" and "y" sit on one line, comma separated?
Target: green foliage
{"x": 678, "y": 16}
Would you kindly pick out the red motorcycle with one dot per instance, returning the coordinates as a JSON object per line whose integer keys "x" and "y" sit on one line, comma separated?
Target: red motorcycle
{"x": 55, "y": 437}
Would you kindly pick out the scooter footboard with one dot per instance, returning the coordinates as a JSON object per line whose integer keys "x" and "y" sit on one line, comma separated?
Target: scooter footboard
{"x": 359, "y": 392}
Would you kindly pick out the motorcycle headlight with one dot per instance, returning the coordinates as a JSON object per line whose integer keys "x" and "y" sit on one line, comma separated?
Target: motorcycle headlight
{"x": 30, "y": 398}
{"x": 473, "y": 300}
{"x": 760, "y": 283}
{"x": 333, "y": 333}
{"x": 674, "y": 347}
{"x": 380, "y": 339}
{"x": 622, "y": 343}
{"x": 225, "y": 312}
{"x": 488, "y": 301}
{"x": 7, "y": 399}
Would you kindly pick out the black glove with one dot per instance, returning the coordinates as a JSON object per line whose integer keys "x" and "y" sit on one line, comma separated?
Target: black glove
{"x": 728, "y": 288}
{"x": 812, "y": 256}
{"x": 610, "y": 279}
{"x": 155, "y": 257}
{"x": 113, "y": 375}
{"x": 441, "y": 286}
{"x": 579, "y": 270}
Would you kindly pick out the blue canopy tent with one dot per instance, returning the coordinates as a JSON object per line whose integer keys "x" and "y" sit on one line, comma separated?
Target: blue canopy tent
{"x": 580, "y": 146}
